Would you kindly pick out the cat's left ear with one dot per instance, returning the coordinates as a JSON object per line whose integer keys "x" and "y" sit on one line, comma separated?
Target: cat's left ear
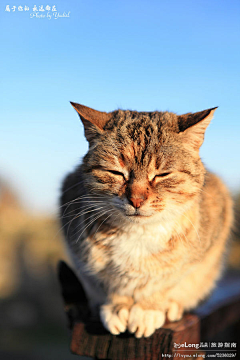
{"x": 93, "y": 120}
{"x": 192, "y": 127}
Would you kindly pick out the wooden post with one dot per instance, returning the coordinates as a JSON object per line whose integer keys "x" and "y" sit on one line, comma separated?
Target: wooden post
{"x": 89, "y": 338}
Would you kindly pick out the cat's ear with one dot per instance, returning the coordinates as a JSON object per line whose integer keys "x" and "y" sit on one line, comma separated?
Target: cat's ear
{"x": 192, "y": 127}
{"x": 93, "y": 120}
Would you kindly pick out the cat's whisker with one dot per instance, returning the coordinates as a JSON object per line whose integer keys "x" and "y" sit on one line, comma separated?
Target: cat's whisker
{"x": 102, "y": 224}
{"x": 66, "y": 210}
{"x": 86, "y": 203}
{"x": 97, "y": 217}
{"x": 206, "y": 193}
{"x": 194, "y": 228}
{"x": 192, "y": 225}
{"x": 74, "y": 201}
{"x": 92, "y": 196}
{"x": 179, "y": 238}
{"x": 118, "y": 213}
{"x": 76, "y": 216}
{"x": 181, "y": 233}
{"x": 91, "y": 201}
{"x": 78, "y": 200}
{"x": 115, "y": 217}
{"x": 83, "y": 208}
{"x": 69, "y": 222}
{"x": 69, "y": 202}
{"x": 82, "y": 214}
{"x": 119, "y": 207}
{"x": 82, "y": 197}
{"x": 73, "y": 186}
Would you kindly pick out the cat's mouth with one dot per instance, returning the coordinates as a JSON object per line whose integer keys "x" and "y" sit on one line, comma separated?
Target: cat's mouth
{"x": 138, "y": 214}
{"x": 138, "y": 218}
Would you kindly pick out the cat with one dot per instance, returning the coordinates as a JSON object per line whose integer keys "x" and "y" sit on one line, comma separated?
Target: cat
{"x": 145, "y": 223}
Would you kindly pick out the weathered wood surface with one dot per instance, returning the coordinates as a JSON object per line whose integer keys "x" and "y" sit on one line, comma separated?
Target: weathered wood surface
{"x": 89, "y": 338}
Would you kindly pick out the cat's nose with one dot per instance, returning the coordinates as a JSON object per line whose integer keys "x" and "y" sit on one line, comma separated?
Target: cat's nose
{"x": 136, "y": 202}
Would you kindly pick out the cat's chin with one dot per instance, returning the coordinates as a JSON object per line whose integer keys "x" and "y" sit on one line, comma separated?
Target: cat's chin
{"x": 139, "y": 219}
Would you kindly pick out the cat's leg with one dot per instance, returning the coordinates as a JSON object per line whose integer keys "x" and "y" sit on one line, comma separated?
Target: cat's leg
{"x": 115, "y": 313}
{"x": 149, "y": 314}
{"x": 144, "y": 322}
{"x": 174, "y": 311}
{"x": 184, "y": 295}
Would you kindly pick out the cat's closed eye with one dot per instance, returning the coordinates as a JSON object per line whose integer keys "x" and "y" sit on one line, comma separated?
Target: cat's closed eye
{"x": 117, "y": 173}
{"x": 161, "y": 175}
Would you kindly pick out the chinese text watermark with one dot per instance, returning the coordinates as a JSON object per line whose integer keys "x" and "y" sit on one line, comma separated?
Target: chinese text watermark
{"x": 39, "y": 12}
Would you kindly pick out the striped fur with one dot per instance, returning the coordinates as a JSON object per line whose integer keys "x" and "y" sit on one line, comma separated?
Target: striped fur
{"x": 146, "y": 224}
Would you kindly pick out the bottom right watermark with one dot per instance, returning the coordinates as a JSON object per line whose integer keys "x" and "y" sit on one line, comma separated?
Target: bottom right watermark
{"x": 214, "y": 350}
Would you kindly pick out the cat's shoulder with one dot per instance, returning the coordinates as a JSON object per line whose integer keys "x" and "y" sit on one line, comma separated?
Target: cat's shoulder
{"x": 215, "y": 191}
{"x": 214, "y": 182}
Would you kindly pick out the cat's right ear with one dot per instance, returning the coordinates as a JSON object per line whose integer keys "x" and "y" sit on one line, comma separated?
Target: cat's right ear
{"x": 193, "y": 126}
{"x": 93, "y": 120}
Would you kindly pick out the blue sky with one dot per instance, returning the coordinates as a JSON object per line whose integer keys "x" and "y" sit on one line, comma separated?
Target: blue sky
{"x": 144, "y": 55}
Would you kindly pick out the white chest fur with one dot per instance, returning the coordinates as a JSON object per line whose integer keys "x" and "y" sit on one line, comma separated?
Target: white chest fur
{"x": 127, "y": 261}
{"x": 132, "y": 249}
{"x": 139, "y": 242}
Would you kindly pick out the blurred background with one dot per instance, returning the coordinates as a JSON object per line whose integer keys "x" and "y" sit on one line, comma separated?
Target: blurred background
{"x": 181, "y": 56}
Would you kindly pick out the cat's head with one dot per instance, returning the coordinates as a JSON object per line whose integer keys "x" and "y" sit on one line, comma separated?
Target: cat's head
{"x": 143, "y": 164}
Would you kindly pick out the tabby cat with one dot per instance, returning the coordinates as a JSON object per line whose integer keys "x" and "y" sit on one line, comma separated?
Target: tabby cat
{"x": 145, "y": 223}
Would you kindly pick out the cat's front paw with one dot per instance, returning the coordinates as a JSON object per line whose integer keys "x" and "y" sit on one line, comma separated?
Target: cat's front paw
{"x": 175, "y": 311}
{"x": 144, "y": 322}
{"x": 114, "y": 318}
